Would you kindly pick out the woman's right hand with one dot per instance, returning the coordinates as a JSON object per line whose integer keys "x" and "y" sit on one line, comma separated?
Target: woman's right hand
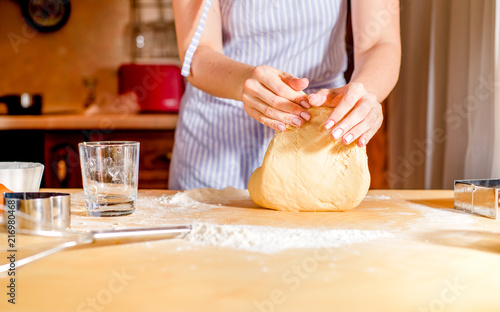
{"x": 275, "y": 98}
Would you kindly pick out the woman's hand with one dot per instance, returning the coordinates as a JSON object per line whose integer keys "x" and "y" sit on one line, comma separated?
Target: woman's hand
{"x": 357, "y": 114}
{"x": 274, "y": 98}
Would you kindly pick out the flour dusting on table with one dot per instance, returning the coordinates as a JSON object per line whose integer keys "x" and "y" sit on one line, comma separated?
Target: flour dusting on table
{"x": 445, "y": 216}
{"x": 204, "y": 196}
{"x": 179, "y": 208}
{"x": 441, "y": 218}
{"x": 380, "y": 197}
{"x": 266, "y": 239}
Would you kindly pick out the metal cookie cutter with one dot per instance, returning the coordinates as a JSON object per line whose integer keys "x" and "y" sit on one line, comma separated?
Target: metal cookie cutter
{"x": 479, "y": 197}
{"x": 40, "y": 211}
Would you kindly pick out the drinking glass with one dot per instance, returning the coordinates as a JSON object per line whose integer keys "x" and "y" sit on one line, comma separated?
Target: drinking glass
{"x": 110, "y": 173}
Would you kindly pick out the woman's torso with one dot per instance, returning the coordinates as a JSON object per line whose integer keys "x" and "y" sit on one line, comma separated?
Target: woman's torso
{"x": 305, "y": 38}
{"x": 216, "y": 143}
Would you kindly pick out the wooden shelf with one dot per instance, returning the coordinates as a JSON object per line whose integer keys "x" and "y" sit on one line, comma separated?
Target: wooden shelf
{"x": 77, "y": 122}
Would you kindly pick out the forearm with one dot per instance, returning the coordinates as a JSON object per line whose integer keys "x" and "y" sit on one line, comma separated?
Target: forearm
{"x": 378, "y": 68}
{"x": 217, "y": 74}
{"x": 211, "y": 71}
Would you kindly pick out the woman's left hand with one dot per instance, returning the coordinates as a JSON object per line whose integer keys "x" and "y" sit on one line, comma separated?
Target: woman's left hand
{"x": 357, "y": 114}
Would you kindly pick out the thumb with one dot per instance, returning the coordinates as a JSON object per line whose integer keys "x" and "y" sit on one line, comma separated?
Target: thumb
{"x": 319, "y": 98}
{"x": 327, "y": 97}
{"x": 298, "y": 84}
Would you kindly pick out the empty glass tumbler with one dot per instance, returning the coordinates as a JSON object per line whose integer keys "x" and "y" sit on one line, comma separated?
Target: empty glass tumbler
{"x": 110, "y": 173}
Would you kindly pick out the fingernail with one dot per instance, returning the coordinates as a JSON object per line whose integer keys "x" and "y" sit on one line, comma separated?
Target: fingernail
{"x": 281, "y": 127}
{"x": 311, "y": 99}
{"x": 337, "y": 133}
{"x": 305, "y": 104}
{"x": 362, "y": 142}
{"x": 297, "y": 122}
{"x": 348, "y": 138}
{"x": 305, "y": 115}
{"x": 329, "y": 124}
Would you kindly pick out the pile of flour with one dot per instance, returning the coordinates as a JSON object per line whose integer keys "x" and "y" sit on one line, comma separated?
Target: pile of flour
{"x": 266, "y": 239}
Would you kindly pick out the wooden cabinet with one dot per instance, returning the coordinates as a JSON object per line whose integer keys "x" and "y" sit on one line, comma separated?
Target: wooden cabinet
{"x": 61, "y": 160}
{"x": 62, "y": 163}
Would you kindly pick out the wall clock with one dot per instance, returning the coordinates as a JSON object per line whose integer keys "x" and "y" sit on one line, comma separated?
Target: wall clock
{"x": 45, "y": 15}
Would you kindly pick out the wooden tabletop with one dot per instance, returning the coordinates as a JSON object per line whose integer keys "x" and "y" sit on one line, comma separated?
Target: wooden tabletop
{"x": 80, "y": 121}
{"x": 436, "y": 259}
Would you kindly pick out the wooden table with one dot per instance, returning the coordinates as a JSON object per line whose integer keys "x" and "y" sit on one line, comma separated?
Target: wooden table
{"x": 438, "y": 259}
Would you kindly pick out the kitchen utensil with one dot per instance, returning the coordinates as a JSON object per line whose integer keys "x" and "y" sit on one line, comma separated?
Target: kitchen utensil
{"x": 110, "y": 173}
{"x": 101, "y": 237}
{"x": 41, "y": 211}
{"x": 479, "y": 197}
{"x": 159, "y": 87}
{"x": 23, "y": 104}
{"x": 21, "y": 176}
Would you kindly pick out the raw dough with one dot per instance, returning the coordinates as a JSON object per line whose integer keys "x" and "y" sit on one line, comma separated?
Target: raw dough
{"x": 305, "y": 169}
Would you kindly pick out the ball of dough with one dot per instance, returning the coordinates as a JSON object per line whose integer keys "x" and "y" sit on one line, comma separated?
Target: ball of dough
{"x": 305, "y": 169}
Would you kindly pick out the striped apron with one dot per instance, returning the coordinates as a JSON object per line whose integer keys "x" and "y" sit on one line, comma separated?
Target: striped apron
{"x": 216, "y": 143}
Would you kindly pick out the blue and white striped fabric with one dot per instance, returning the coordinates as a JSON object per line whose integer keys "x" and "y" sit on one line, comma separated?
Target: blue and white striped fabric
{"x": 188, "y": 57}
{"x": 216, "y": 143}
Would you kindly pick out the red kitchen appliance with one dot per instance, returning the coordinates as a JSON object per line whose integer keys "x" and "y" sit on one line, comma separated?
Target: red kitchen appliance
{"x": 158, "y": 87}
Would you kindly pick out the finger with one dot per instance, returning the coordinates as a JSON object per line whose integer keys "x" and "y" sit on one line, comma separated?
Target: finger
{"x": 272, "y": 113}
{"x": 271, "y": 123}
{"x": 334, "y": 99}
{"x": 319, "y": 98}
{"x": 271, "y": 78}
{"x": 364, "y": 130}
{"x": 275, "y": 101}
{"x": 346, "y": 104}
{"x": 358, "y": 114}
{"x": 298, "y": 84}
{"x": 305, "y": 103}
{"x": 368, "y": 135}
{"x": 328, "y": 97}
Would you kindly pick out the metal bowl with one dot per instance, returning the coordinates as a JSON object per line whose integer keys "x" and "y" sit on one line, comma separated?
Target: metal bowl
{"x": 39, "y": 211}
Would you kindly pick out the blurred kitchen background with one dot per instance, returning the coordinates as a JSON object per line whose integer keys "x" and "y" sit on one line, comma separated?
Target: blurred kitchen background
{"x": 81, "y": 70}
{"x": 92, "y": 45}
{"x": 442, "y": 119}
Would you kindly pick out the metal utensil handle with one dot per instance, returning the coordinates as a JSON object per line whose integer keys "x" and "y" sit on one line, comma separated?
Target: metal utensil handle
{"x": 140, "y": 234}
{"x": 106, "y": 237}
{"x": 39, "y": 255}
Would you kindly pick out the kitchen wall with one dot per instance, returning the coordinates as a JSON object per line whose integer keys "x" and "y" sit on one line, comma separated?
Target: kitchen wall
{"x": 92, "y": 43}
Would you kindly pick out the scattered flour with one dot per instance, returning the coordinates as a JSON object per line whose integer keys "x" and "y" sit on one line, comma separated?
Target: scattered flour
{"x": 178, "y": 199}
{"x": 382, "y": 197}
{"x": 197, "y": 197}
{"x": 398, "y": 213}
{"x": 377, "y": 209}
{"x": 215, "y": 196}
{"x": 443, "y": 217}
{"x": 265, "y": 239}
